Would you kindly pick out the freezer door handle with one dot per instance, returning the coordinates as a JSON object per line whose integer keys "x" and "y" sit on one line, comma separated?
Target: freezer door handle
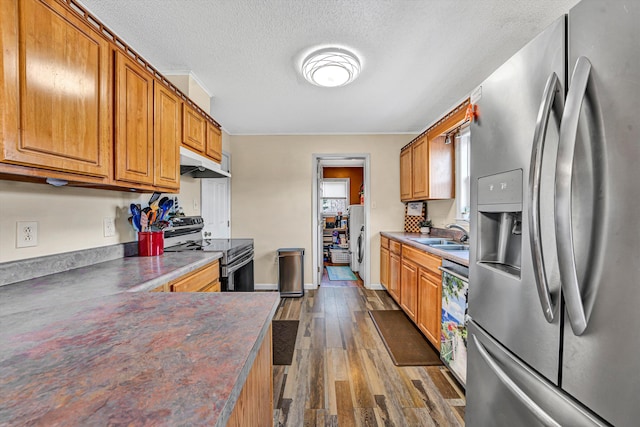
{"x": 552, "y": 101}
{"x": 578, "y": 92}
{"x": 536, "y": 410}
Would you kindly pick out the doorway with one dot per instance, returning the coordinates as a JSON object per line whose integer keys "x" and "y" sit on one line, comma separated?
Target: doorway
{"x": 341, "y": 220}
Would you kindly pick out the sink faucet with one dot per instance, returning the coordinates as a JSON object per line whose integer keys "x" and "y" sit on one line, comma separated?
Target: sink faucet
{"x": 465, "y": 236}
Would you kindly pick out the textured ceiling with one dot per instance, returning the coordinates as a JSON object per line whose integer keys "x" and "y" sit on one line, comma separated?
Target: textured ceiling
{"x": 420, "y": 57}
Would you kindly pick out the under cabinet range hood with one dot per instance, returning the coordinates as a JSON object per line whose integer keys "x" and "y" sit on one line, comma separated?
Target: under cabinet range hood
{"x": 197, "y": 166}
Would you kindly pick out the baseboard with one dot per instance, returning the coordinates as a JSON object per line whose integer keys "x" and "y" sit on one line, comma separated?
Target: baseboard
{"x": 376, "y": 287}
{"x": 265, "y": 287}
{"x": 274, "y": 286}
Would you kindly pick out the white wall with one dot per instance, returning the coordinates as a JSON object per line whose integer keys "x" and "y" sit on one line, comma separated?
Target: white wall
{"x": 68, "y": 218}
{"x": 271, "y": 201}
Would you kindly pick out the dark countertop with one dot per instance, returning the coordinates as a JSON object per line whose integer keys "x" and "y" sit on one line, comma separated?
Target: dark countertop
{"x": 83, "y": 347}
{"x": 132, "y": 359}
{"x": 461, "y": 257}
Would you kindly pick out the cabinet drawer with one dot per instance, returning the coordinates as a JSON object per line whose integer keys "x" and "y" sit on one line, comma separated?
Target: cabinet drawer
{"x": 428, "y": 261}
{"x": 198, "y": 280}
{"x": 395, "y": 247}
{"x": 384, "y": 242}
{"x": 213, "y": 287}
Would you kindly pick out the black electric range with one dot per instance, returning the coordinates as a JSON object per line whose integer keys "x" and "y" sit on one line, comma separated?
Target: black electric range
{"x": 236, "y": 265}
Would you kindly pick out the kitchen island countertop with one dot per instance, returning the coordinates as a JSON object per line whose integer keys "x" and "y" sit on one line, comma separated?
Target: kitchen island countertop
{"x": 132, "y": 359}
{"x": 90, "y": 347}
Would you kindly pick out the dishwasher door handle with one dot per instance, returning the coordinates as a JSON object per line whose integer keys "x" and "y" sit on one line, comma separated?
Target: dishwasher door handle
{"x": 454, "y": 274}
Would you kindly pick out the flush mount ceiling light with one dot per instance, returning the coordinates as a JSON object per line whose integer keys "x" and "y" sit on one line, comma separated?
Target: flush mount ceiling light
{"x": 331, "y": 67}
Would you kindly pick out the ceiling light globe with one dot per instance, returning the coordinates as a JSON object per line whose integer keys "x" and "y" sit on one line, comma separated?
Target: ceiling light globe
{"x": 331, "y": 67}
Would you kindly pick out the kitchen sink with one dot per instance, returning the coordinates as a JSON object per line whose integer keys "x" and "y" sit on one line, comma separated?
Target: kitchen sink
{"x": 452, "y": 246}
{"x": 430, "y": 241}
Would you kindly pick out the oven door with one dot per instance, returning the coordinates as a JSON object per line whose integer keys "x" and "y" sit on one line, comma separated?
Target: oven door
{"x": 238, "y": 277}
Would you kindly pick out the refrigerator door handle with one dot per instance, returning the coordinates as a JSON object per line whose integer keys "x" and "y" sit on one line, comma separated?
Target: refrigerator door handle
{"x": 544, "y": 418}
{"x": 552, "y": 100}
{"x": 563, "y": 210}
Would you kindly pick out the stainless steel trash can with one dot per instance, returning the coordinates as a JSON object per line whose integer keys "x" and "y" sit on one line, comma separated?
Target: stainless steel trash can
{"x": 291, "y": 272}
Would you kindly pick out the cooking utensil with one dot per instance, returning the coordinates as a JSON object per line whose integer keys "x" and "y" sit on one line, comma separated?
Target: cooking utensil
{"x": 135, "y": 212}
{"x": 155, "y": 196}
{"x": 144, "y": 221}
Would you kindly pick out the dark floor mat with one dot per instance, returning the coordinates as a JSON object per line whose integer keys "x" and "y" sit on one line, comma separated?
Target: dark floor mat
{"x": 284, "y": 334}
{"x": 406, "y": 345}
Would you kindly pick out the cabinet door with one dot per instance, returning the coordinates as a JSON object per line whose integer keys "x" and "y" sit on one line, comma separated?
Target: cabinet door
{"x": 420, "y": 165}
{"x": 429, "y": 305}
{"x": 405, "y": 174}
{"x": 55, "y": 91}
{"x": 194, "y": 129}
{"x": 214, "y": 142}
{"x": 394, "y": 276}
{"x": 167, "y": 133}
{"x": 384, "y": 267}
{"x": 409, "y": 288}
{"x": 441, "y": 169}
{"x": 134, "y": 122}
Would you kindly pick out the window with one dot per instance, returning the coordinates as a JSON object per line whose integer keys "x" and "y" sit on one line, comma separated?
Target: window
{"x": 463, "y": 174}
{"x": 335, "y": 196}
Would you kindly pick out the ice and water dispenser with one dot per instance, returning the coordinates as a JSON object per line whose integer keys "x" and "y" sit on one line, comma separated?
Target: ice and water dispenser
{"x": 500, "y": 221}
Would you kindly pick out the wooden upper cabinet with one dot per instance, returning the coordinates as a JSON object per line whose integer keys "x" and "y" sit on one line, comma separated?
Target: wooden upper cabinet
{"x": 194, "y": 129}
{"x": 214, "y": 142}
{"x": 406, "y": 172}
{"x": 427, "y": 166}
{"x": 441, "y": 169}
{"x": 55, "y": 90}
{"x": 420, "y": 169}
{"x": 134, "y": 122}
{"x": 167, "y": 135}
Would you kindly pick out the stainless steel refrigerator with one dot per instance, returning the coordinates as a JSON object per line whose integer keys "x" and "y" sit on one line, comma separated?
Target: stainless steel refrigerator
{"x": 554, "y": 293}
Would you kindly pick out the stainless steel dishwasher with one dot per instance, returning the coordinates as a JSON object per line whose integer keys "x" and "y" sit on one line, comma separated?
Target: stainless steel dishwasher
{"x": 291, "y": 272}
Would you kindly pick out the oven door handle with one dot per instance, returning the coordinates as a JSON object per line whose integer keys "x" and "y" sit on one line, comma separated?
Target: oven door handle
{"x": 235, "y": 267}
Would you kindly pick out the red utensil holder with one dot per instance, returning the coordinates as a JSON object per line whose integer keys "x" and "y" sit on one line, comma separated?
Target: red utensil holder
{"x": 150, "y": 243}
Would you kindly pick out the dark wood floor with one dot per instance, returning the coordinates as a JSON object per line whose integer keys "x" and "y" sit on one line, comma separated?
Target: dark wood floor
{"x": 342, "y": 375}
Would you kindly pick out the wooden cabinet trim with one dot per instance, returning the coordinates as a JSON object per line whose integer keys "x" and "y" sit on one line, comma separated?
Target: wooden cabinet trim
{"x": 254, "y": 406}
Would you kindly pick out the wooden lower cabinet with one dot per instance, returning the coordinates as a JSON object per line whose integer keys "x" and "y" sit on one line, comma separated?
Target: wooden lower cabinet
{"x": 429, "y": 308}
{"x": 413, "y": 279}
{"x": 394, "y": 276}
{"x": 205, "y": 279}
{"x": 409, "y": 288}
{"x": 255, "y": 403}
{"x": 384, "y": 267}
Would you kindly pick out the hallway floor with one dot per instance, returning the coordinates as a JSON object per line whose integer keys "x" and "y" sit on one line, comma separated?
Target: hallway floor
{"x": 339, "y": 283}
{"x": 342, "y": 374}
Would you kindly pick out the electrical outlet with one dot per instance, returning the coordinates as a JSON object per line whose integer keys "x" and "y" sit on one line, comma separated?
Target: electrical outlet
{"x": 109, "y": 227}
{"x": 26, "y": 234}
